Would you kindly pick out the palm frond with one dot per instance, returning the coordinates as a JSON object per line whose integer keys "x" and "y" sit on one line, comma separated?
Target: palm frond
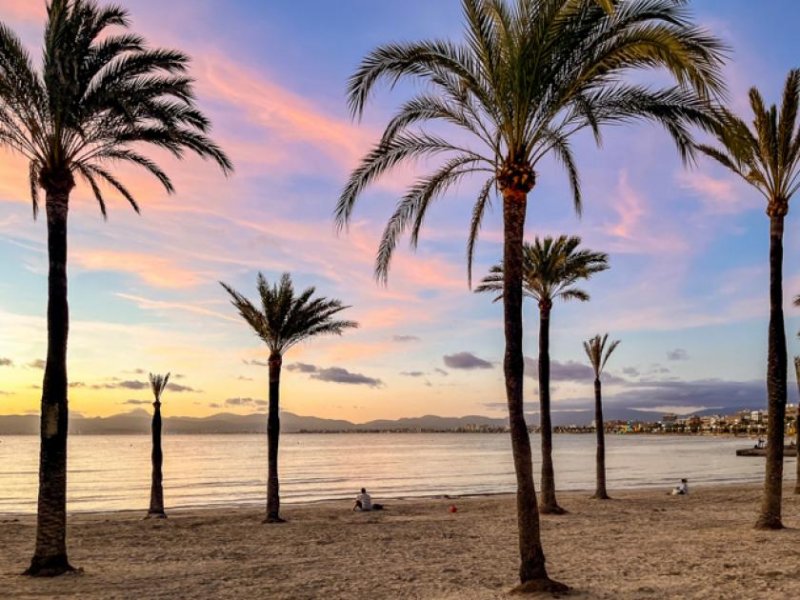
{"x": 528, "y": 75}
{"x": 99, "y": 96}
{"x": 284, "y": 318}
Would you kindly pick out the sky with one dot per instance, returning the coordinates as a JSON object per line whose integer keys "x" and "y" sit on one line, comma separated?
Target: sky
{"x": 686, "y": 293}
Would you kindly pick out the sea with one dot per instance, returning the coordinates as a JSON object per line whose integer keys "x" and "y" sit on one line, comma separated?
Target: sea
{"x": 111, "y": 473}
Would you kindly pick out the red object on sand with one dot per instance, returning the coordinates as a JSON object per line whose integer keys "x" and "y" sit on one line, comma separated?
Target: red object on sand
{"x": 453, "y": 508}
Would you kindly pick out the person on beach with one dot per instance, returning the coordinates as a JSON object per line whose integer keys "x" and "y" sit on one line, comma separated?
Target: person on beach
{"x": 682, "y": 489}
{"x": 364, "y": 502}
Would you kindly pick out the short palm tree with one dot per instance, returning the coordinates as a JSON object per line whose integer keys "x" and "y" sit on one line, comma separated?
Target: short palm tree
{"x": 158, "y": 384}
{"x": 282, "y": 321}
{"x": 551, "y": 268}
{"x": 529, "y": 74}
{"x": 768, "y": 158}
{"x": 598, "y": 354}
{"x": 99, "y": 98}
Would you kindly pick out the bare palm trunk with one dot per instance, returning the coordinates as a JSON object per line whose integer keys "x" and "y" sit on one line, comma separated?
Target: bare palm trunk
{"x": 532, "y": 571}
{"x": 770, "y": 517}
{"x": 549, "y": 505}
{"x": 50, "y": 555}
{"x": 600, "y": 493}
{"x": 273, "y": 435}
{"x": 156, "y": 488}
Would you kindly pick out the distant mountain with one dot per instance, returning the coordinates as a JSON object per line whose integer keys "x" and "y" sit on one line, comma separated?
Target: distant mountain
{"x": 138, "y": 422}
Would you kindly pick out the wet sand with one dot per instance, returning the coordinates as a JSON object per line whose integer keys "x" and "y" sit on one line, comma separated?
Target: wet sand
{"x": 643, "y": 544}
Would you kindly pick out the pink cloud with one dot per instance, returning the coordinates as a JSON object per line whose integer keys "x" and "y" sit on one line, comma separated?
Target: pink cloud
{"x": 639, "y": 230}
{"x": 290, "y": 120}
{"x": 156, "y": 271}
{"x": 24, "y": 10}
{"x": 719, "y": 196}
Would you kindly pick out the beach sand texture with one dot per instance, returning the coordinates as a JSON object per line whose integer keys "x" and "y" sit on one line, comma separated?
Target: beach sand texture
{"x": 644, "y": 544}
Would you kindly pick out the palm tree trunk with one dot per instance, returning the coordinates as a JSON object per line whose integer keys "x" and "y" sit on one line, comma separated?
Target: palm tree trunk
{"x": 532, "y": 571}
{"x": 600, "y": 493}
{"x": 157, "y": 457}
{"x": 549, "y": 505}
{"x": 273, "y": 435}
{"x": 50, "y": 555}
{"x": 770, "y": 517}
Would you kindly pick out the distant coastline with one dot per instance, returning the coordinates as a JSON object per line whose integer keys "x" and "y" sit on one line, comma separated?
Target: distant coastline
{"x": 137, "y": 422}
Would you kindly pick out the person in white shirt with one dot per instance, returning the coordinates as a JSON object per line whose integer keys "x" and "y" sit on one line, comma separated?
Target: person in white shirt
{"x": 682, "y": 489}
{"x": 364, "y": 502}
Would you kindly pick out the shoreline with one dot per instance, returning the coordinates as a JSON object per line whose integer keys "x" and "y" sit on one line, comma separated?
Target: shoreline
{"x": 644, "y": 544}
{"x": 643, "y": 489}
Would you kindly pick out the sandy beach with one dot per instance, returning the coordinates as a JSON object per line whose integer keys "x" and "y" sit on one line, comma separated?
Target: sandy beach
{"x": 643, "y": 544}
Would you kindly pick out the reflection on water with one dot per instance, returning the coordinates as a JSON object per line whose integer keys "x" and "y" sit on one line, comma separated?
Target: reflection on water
{"x": 113, "y": 472}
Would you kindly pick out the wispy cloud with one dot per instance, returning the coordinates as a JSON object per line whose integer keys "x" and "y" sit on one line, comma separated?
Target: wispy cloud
{"x": 678, "y": 354}
{"x": 401, "y": 339}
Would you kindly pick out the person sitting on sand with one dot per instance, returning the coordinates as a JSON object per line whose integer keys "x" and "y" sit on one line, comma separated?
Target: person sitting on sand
{"x": 682, "y": 489}
{"x": 364, "y": 502}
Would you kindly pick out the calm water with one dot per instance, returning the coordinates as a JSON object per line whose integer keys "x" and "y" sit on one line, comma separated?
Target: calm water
{"x": 113, "y": 472}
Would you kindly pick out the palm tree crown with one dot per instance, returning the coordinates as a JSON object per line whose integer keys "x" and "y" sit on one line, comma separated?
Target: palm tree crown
{"x": 97, "y": 98}
{"x": 530, "y": 74}
{"x": 551, "y": 269}
{"x": 158, "y": 384}
{"x": 768, "y": 155}
{"x": 285, "y": 319}
{"x": 597, "y": 352}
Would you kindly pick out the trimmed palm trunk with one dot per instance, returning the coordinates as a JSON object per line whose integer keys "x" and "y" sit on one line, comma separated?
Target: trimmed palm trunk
{"x": 600, "y": 493}
{"x": 157, "y": 457}
{"x": 532, "y": 571}
{"x": 273, "y": 436}
{"x": 770, "y": 517}
{"x": 50, "y": 555}
{"x": 549, "y": 505}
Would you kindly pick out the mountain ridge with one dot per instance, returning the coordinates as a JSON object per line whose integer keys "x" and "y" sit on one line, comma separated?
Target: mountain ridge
{"x": 137, "y": 421}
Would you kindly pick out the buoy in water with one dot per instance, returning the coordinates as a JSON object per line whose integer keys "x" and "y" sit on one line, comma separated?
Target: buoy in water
{"x": 453, "y": 508}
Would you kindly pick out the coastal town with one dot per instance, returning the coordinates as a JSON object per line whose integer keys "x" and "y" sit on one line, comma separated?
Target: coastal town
{"x": 743, "y": 422}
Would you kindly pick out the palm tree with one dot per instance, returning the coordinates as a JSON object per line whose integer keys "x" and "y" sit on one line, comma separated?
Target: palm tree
{"x": 550, "y": 270}
{"x": 283, "y": 321}
{"x": 529, "y": 75}
{"x": 97, "y": 99}
{"x": 598, "y": 355}
{"x": 158, "y": 384}
{"x": 768, "y": 158}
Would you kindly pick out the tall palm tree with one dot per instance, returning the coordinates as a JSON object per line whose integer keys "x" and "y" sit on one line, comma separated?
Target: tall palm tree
{"x": 598, "y": 355}
{"x": 158, "y": 384}
{"x": 282, "y": 321}
{"x": 529, "y": 75}
{"x": 97, "y": 100}
{"x": 768, "y": 158}
{"x": 551, "y": 268}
